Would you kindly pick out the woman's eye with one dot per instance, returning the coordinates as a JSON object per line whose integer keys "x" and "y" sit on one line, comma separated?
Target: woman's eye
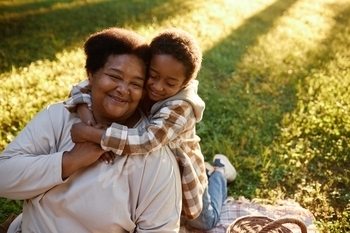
{"x": 137, "y": 85}
{"x": 114, "y": 77}
{"x": 170, "y": 85}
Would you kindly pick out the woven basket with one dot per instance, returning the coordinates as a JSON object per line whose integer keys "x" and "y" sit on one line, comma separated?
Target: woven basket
{"x": 263, "y": 224}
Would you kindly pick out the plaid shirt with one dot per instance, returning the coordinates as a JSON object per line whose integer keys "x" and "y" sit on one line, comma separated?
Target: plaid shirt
{"x": 80, "y": 94}
{"x": 172, "y": 123}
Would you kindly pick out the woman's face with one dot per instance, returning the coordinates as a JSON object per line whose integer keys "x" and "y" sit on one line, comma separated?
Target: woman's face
{"x": 166, "y": 77}
{"x": 116, "y": 88}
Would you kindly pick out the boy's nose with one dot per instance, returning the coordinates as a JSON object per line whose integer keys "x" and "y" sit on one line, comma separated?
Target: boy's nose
{"x": 158, "y": 86}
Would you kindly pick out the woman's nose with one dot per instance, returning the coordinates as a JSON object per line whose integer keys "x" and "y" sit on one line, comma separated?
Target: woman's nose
{"x": 123, "y": 88}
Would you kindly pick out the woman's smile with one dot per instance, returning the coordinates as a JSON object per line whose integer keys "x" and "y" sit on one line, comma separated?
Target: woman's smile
{"x": 118, "y": 100}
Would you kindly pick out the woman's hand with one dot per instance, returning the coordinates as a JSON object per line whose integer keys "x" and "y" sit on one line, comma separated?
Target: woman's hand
{"x": 81, "y": 155}
{"x": 80, "y": 132}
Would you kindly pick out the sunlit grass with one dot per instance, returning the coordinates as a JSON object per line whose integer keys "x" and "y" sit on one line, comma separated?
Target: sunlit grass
{"x": 275, "y": 79}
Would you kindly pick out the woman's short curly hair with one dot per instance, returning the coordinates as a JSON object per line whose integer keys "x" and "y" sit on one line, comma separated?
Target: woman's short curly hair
{"x": 182, "y": 46}
{"x": 114, "y": 41}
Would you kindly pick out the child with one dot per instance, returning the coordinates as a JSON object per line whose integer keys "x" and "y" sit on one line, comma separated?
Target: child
{"x": 175, "y": 110}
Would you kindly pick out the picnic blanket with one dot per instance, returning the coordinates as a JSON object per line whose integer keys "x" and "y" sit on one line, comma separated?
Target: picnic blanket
{"x": 233, "y": 209}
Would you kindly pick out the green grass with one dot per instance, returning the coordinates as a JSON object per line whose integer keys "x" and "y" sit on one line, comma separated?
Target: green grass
{"x": 275, "y": 80}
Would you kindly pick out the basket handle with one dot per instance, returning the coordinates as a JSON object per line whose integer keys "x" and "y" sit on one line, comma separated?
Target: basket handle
{"x": 277, "y": 223}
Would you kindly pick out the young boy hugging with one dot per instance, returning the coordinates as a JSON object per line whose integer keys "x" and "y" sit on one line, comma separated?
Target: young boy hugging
{"x": 174, "y": 108}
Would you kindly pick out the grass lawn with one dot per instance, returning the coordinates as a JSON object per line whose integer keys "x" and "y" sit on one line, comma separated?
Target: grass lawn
{"x": 275, "y": 79}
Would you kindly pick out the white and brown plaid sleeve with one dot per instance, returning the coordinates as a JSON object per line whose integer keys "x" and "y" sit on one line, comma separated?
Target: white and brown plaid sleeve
{"x": 80, "y": 94}
{"x": 164, "y": 127}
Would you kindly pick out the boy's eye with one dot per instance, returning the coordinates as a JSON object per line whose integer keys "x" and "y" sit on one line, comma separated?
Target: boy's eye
{"x": 170, "y": 85}
{"x": 151, "y": 76}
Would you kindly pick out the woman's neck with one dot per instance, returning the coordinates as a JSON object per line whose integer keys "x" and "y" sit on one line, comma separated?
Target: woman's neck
{"x": 130, "y": 121}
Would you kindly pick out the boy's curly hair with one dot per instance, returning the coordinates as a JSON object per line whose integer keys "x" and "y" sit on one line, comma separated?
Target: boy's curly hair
{"x": 182, "y": 46}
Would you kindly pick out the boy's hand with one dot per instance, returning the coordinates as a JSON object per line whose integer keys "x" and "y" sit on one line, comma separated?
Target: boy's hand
{"x": 99, "y": 126}
{"x": 82, "y": 132}
{"x": 79, "y": 131}
{"x": 107, "y": 157}
{"x": 85, "y": 114}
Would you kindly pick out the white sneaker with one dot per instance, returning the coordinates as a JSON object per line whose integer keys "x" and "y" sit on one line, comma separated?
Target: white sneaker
{"x": 221, "y": 161}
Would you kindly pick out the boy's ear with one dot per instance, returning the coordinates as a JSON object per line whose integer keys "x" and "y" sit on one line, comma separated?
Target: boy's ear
{"x": 185, "y": 84}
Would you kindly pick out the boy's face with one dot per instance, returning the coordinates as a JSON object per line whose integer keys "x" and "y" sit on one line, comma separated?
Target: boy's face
{"x": 166, "y": 77}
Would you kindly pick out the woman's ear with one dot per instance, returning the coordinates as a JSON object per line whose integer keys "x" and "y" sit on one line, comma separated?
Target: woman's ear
{"x": 90, "y": 77}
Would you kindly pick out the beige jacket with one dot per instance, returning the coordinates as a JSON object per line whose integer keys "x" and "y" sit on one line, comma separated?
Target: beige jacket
{"x": 136, "y": 193}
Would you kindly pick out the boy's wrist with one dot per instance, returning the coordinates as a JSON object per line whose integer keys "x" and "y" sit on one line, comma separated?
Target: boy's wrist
{"x": 88, "y": 132}
{"x": 94, "y": 134}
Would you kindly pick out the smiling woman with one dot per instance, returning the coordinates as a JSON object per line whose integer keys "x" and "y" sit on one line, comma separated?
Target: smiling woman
{"x": 118, "y": 88}
{"x": 57, "y": 177}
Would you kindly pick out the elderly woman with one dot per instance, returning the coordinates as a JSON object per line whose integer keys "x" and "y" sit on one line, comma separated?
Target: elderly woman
{"x": 64, "y": 186}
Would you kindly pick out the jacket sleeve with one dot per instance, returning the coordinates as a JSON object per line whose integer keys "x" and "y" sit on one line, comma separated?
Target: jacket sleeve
{"x": 165, "y": 126}
{"x": 80, "y": 94}
{"x": 27, "y": 166}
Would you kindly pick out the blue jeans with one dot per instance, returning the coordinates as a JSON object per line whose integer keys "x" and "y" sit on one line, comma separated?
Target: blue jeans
{"x": 213, "y": 199}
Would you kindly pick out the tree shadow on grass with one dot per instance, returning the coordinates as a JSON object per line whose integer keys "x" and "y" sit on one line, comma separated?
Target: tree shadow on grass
{"x": 235, "y": 46}
{"x": 245, "y": 119}
{"x": 254, "y": 115}
{"x": 22, "y": 8}
{"x": 39, "y": 30}
{"x": 325, "y": 154}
